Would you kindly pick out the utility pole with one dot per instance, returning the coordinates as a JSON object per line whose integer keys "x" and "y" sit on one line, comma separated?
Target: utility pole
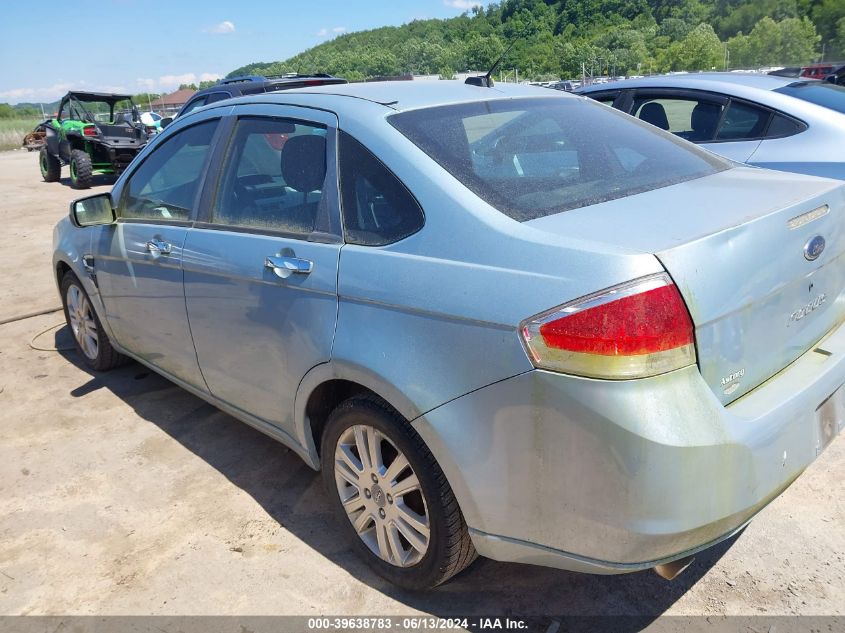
{"x": 727, "y": 57}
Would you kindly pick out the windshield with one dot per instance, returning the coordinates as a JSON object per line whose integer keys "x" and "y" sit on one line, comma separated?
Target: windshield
{"x": 821, "y": 93}
{"x": 534, "y": 157}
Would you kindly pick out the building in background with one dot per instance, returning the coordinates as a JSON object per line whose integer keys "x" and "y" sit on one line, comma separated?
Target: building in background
{"x": 168, "y": 105}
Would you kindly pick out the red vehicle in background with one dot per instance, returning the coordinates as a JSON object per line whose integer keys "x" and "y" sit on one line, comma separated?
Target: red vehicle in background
{"x": 832, "y": 72}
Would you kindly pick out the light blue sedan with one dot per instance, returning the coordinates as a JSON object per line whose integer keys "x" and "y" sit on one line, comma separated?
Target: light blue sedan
{"x": 763, "y": 120}
{"x": 500, "y": 320}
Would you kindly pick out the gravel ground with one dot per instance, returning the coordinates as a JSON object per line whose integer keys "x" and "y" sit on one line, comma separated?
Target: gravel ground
{"x": 120, "y": 493}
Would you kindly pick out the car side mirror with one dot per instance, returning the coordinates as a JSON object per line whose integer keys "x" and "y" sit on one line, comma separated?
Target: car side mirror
{"x": 93, "y": 210}
{"x": 166, "y": 121}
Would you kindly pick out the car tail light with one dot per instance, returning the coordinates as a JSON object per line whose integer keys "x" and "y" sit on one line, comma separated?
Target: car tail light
{"x": 634, "y": 330}
{"x": 89, "y": 130}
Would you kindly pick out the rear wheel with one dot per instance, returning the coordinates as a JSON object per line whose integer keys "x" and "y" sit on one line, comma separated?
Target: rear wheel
{"x": 81, "y": 171}
{"x": 88, "y": 335}
{"x": 51, "y": 168}
{"x": 394, "y": 500}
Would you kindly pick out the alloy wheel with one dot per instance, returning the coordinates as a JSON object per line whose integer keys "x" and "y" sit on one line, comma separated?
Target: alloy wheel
{"x": 82, "y": 321}
{"x": 381, "y": 496}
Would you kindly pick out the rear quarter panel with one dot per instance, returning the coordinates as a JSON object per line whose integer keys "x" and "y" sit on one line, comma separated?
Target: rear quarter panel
{"x": 436, "y": 315}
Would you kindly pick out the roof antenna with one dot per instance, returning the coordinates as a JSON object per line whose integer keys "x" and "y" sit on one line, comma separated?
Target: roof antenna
{"x": 486, "y": 81}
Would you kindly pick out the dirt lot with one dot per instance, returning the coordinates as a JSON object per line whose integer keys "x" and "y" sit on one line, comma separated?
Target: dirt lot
{"x": 121, "y": 493}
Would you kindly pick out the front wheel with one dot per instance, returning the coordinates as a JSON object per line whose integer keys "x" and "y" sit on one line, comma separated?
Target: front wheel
{"x": 91, "y": 341}
{"x": 394, "y": 500}
{"x": 81, "y": 170}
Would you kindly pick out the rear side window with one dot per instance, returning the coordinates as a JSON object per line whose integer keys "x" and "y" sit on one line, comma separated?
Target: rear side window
{"x": 695, "y": 120}
{"x": 274, "y": 175}
{"x": 781, "y": 126}
{"x": 214, "y": 97}
{"x": 377, "y": 208}
{"x": 165, "y": 186}
{"x": 742, "y": 121}
{"x": 530, "y": 158}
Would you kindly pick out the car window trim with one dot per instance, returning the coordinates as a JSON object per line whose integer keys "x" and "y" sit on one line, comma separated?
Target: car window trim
{"x": 331, "y": 188}
{"x": 200, "y": 187}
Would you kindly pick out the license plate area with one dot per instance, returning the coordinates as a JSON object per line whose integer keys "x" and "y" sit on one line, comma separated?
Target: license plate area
{"x": 830, "y": 418}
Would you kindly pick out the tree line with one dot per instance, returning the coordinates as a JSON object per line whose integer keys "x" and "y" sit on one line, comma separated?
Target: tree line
{"x": 559, "y": 38}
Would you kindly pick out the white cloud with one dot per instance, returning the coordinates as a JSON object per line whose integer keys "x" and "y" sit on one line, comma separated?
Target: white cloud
{"x": 463, "y": 5}
{"x": 167, "y": 83}
{"x": 335, "y": 30}
{"x": 47, "y": 94}
{"x": 50, "y": 93}
{"x": 224, "y": 28}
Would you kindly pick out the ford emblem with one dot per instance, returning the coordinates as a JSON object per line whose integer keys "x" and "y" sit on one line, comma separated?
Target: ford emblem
{"x": 814, "y": 247}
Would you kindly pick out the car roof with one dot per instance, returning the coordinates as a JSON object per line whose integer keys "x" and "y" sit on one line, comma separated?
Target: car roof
{"x": 238, "y": 85}
{"x": 408, "y": 95}
{"x": 716, "y": 82}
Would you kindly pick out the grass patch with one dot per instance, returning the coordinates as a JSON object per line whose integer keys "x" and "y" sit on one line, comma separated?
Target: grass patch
{"x": 12, "y": 131}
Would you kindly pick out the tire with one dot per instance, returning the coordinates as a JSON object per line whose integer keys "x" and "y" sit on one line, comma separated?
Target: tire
{"x": 81, "y": 172}
{"x": 85, "y": 327}
{"x": 51, "y": 168}
{"x": 447, "y": 549}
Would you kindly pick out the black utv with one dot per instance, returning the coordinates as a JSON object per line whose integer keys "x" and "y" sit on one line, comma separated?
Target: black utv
{"x": 95, "y": 133}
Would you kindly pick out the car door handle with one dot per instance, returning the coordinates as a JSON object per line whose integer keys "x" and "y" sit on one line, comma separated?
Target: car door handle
{"x": 159, "y": 247}
{"x": 285, "y": 265}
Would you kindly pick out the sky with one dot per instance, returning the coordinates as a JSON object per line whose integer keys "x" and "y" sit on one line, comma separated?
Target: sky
{"x": 146, "y": 46}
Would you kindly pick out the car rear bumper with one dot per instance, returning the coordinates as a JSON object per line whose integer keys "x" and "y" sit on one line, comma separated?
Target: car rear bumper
{"x": 615, "y": 476}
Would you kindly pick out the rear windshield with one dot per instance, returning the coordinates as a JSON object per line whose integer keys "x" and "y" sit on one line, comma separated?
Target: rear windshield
{"x": 534, "y": 157}
{"x": 819, "y": 92}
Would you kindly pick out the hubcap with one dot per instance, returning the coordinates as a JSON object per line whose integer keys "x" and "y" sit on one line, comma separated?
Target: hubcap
{"x": 381, "y": 495}
{"x": 82, "y": 321}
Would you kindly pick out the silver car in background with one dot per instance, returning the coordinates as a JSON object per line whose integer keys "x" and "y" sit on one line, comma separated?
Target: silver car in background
{"x": 504, "y": 321}
{"x": 779, "y": 123}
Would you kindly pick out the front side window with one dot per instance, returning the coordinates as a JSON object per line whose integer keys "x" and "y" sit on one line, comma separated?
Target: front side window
{"x": 377, "y": 208}
{"x": 607, "y": 98}
{"x": 692, "y": 119}
{"x": 530, "y": 158}
{"x": 193, "y": 105}
{"x": 274, "y": 175}
{"x": 165, "y": 186}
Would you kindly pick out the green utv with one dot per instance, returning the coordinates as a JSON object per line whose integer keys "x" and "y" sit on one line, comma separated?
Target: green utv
{"x": 95, "y": 133}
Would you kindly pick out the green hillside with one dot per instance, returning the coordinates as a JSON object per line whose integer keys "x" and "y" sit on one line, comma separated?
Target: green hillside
{"x": 610, "y": 36}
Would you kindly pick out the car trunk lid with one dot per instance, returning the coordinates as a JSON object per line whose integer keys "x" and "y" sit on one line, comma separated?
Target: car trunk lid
{"x": 741, "y": 246}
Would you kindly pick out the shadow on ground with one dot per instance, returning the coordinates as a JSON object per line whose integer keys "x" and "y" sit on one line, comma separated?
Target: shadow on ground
{"x": 96, "y": 181}
{"x": 256, "y": 464}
